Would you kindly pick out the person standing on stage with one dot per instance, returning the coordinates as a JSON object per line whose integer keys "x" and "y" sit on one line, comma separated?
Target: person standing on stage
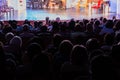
{"x": 46, "y": 3}
{"x": 40, "y": 4}
{"x": 59, "y": 3}
{"x": 36, "y": 6}
{"x": 32, "y": 2}
{"x": 107, "y": 2}
{"x": 106, "y": 5}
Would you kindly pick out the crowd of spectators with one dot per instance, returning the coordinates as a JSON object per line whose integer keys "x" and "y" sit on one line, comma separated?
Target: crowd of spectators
{"x": 60, "y": 50}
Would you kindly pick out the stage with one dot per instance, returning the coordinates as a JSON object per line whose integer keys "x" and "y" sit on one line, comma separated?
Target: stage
{"x": 23, "y": 10}
{"x": 64, "y": 14}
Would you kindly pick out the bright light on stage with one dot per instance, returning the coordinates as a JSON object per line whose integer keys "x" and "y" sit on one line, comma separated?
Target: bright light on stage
{"x": 65, "y": 9}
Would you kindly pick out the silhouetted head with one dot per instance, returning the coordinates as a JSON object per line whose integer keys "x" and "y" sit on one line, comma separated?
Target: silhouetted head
{"x": 78, "y": 28}
{"x": 109, "y": 39}
{"x": 92, "y": 44}
{"x": 65, "y": 47}
{"x": 104, "y": 20}
{"x": 9, "y": 36}
{"x": 25, "y": 27}
{"x": 117, "y": 25}
{"x": 97, "y": 23}
{"x": 109, "y": 24}
{"x": 89, "y": 27}
{"x": 57, "y": 39}
{"x": 33, "y": 49}
{"x": 16, "y": 41}
{"x": 79, "y": 55}
{"x": 43, "y": 28}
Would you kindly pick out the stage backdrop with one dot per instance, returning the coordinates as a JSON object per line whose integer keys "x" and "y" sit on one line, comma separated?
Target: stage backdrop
{"x": 17, "y": 4}
{"x": 113, "y": 5}
{"x": 118, "y": 7}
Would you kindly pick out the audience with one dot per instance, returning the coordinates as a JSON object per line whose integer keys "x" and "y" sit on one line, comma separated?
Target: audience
{"x": 60, "y": 50}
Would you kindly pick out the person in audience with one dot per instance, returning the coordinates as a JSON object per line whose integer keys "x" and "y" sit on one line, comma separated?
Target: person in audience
{"x": 71, "y": 24}
{"x": 6, "y": 29}
{"x": 29, "y": 24}
{"x": 116, "y": 61}
{"x": 96, "y": 27}
{"x": 47, "y": 20}
{"x": 25, "y": 71}
{"x": 50, "y": 26}
{"x": 108, "y": 43}
{"x": 101, "y": 68}
{"x": 53, "y": 48}
{"x": 117, "y": 38}
{"x": 117, "y": 27}
{"x": 45, "y": 36}
{"x": 108, "y": 28}
{"x": 61, "y": 56}
{"x": 1, "y": 25}
{"x": 14, "y": 47}
{"x": 92, "y": 44}
{"x": 2, "y": 35}
{"x": 55, "y": 28}
{"x": 7, "y": 65}
{"x": 78, "y": 66}
{"x": 60, "y": 50}
{"x": 8, "y": 37}
{"x": 89, "y": 29}
{"x": 26, "y": 35}
{"x": 95, "y": 53}
{"x": 78, "y": 34}
{"x": 41, "y": 67}
{"x": 63, "y": 30}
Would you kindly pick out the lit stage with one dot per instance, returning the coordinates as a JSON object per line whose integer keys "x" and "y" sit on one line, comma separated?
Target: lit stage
{"x": 22, "y": 13}
{"x": 35, "y": 14}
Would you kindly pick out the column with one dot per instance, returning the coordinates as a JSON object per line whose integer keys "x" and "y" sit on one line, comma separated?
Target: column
{"x": 113, "y": 5}
{"x": 21, "y": 9}
{"x": 118, "y": 7}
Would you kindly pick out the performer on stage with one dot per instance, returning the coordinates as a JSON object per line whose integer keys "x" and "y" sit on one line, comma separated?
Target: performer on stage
{"x": 107, "y": 2}
{"x": 59, "y": 3}
{"x": 40, "y": 4}
{"x": 46, "y": 3}
{"x": 106, "y": 5}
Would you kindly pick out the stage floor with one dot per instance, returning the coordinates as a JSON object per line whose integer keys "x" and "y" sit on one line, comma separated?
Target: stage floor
{"x": 40, "y": 14}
